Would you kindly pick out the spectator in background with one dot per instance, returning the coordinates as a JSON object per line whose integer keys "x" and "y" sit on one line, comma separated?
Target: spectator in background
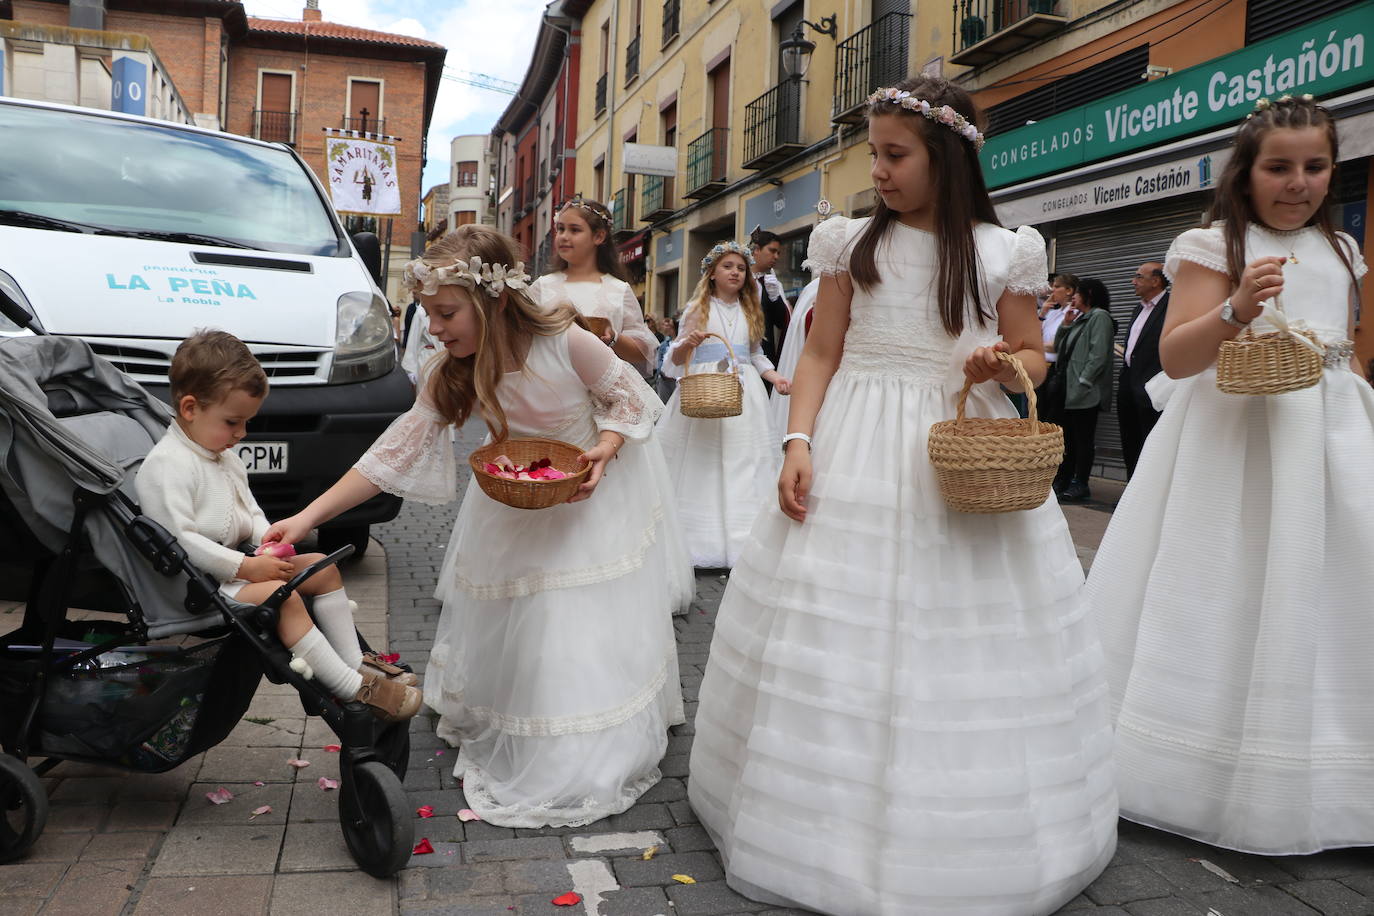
{"x": 663, "y": 384}
{"x": 1136, "y": 414}
{"x": 1084, "y": 348}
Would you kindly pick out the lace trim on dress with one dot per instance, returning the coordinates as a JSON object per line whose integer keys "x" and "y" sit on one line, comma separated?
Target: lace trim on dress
{"x": 1029, "y": 266}
{"x": 1205, "y": 247}
{"x": 826, "y": 246}
{"x": 619, "y": 404}
{"x": 568, "y": 578}
{"x": 545, "y": 814}
{"x": 413, "y": 459}
{"x": 553, "y": 726}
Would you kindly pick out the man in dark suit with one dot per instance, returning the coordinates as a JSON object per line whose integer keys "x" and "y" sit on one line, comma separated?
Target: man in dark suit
{"x": 1135, "y": 413}
{"x": 777, "y": 311}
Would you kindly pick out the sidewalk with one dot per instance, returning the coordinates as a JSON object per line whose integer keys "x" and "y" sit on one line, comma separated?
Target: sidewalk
{"x": 150, "y": 845}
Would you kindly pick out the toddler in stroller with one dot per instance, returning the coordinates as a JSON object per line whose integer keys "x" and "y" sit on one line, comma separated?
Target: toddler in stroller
{"x": 175, "y": 669}
{"x": 195, "y": 486}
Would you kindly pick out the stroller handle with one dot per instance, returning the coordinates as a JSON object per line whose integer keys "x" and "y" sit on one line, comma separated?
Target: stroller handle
{"x": 266, "y": 613}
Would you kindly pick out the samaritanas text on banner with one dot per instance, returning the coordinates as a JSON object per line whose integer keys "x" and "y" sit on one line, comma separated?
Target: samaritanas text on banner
{"x": 362, "y": 175}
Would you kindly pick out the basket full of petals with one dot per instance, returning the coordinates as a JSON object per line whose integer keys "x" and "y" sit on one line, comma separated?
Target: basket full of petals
{"x": 529, "y": 473}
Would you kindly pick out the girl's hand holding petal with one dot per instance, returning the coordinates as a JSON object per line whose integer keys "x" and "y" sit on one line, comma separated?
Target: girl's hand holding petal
{"x": 983, "y": 365}
{"x": 287, "y": 531}
{"x": 1261, "y": 281}
{"x": 265, "y": 569}
{"x": 597, "y": 456}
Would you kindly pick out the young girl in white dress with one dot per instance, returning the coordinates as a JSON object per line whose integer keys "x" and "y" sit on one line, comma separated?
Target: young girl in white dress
{"x": 1233, "y": 584}
{"x": 721, "y": 470}
{"x": 587, "y": 274}
{"x": 904, "y": 711}
{"x": 554, "y": 668}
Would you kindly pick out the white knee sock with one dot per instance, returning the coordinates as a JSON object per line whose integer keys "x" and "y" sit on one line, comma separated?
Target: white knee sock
{"x": 330, "y": 670}
{"x": 334, "y": 616}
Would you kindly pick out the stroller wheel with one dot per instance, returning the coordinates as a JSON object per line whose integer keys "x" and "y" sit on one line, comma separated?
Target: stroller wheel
{"x": 393, "y": 747}
{"x": 375, "y": 815}
{"x": 23, "y": 808}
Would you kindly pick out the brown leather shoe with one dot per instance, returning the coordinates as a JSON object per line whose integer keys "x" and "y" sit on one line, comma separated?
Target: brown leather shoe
{"x": 390, "y": 701}
{"x": 373, "y": 664}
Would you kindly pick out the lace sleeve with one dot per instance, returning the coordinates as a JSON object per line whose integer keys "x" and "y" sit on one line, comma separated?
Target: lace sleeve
{"x": 414, "y": 459}
{"x": 621, "y": 401}
{"x": 633, "y": 328}
{"x": 760, "y": 362}
{"x": 826, "y": 248}
{"x": 1206, "y": 247}
{"x": 1029, "y": 269}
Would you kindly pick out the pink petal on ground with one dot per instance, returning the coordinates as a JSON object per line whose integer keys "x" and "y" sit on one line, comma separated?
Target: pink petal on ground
{"x": 259, "y": 783}
{"x": 298, "y": 763}
{"x": 467, "y": 814}
{"x": 265, "y": 809}
{"x": 220, "y": 796}
{"x": 325, "y": 783}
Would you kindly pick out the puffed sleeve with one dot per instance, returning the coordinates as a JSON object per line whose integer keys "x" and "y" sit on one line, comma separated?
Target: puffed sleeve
{"x": 621, "y": 401}
{"x": 414, "y": 458}
{"x": 1352, "y": 252}
{"x": 688, "y": 323}
{"x": 166, "y": 489}
{"x": 826, "y": 248}
{"x": 633, "y": 328}
{"x": 1029, "y": 270}
{"x": 1206, "y": 247}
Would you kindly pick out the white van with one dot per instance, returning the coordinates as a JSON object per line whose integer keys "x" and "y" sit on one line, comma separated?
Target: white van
{"x": 130, "y": 233}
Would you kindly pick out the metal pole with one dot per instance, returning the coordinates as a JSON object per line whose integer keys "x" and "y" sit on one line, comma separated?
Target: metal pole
{"x": 386, "y": 261}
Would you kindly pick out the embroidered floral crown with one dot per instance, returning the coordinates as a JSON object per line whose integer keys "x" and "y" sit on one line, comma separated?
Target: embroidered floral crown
{"x": 941, "y": 115}
{"x": 581, "y": 202}
{"x": 724, "y": 248}
{"x": 1264, "y": 104}
{"x": 420, "y": 277}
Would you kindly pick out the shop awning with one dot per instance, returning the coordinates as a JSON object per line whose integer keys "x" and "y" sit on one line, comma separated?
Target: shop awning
{"x": 632, "y": 249}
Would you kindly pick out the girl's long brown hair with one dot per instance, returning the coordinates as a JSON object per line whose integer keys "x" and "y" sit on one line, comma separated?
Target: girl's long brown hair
{"x": 1232, "y": 202}
{"x": 961, "y": 199}
{"x": 607, "y": 256}
{"x": 748, "y": 299}
{"x": 507, "y": 324}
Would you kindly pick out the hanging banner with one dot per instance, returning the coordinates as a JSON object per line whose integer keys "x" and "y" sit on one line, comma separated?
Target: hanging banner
{"x": 362, "y": 176}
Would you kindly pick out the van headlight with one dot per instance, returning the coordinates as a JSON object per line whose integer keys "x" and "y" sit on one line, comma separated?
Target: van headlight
{"x": 364, "y": 347}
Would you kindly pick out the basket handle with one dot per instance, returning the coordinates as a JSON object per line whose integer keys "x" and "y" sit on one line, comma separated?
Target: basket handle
{"x": 1021, "y": 376}
{"x": 729, "y": 350}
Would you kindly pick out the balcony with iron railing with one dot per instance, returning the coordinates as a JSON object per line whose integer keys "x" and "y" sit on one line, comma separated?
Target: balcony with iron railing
{"x": 276, "y": 126}
{"x": 466, "y": 179}
{"x": 622, "y": 215}
{"x": 772, "y": 125}
{"x": 632, "y": 60}
{"x": 656, "y": 200}
{"x": 707, "y": 164}
{"x": 365, "y": 125}
{"x": 988, "y": 30}
{"x": 541, "y": 258}
{"x": 529, "y": 193}
{"x": 672, "y": 10}
{"x": 874, "y": 56}
{"x": 601, "y": 94}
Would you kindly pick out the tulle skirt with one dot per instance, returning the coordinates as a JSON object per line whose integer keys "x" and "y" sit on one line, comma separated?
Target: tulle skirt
{"x": 1233, "y": 589}
{"x": 904, "y": 710}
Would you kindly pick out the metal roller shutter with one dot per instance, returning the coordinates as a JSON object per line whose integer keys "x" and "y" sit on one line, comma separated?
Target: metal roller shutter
{"x": 1110, "y": 246}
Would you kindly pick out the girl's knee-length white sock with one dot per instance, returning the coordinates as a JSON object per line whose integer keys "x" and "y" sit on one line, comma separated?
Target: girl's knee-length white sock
{"x": 330, "y": 670}
{"x": 334, "y": 616}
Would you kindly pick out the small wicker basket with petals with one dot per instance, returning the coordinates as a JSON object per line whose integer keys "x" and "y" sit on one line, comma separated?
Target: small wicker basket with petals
{"x": 1268, "y": 363}
{"x": 989, "y": 465}
{"x": 530, "y": 494}
{"x": 712, "y": 395}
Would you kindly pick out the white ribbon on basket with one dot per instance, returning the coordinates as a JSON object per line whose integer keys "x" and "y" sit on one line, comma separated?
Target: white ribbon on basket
{"x": 1272, "y": 312}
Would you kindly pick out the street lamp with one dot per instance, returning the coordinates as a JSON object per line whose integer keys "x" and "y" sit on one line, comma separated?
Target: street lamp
{"x": 796, "y": 50}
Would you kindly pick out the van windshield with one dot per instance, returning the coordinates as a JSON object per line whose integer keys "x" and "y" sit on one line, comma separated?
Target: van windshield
{"x": 106, "y": 174}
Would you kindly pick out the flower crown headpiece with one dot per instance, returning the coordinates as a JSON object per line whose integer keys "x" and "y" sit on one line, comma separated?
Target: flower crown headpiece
{"x": 724, "y": 248}
{"x": 597, "y": 209}
{"x": 420, "y": 277}
{"x": 1264, "y": 104}
{"x": 941, "y": 115}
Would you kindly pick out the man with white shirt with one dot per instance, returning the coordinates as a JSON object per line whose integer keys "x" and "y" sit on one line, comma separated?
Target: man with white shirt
{"x": 1135, "y": 412}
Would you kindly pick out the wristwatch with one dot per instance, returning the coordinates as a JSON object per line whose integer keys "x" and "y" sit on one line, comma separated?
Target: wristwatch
{"x": 1228, "y": 315}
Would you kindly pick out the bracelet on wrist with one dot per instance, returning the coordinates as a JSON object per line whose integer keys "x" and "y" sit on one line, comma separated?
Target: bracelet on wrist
{"x": 802, "y": 436}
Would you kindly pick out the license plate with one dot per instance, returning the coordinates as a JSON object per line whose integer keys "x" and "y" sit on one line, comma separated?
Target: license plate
{"x": 263, "y": 457}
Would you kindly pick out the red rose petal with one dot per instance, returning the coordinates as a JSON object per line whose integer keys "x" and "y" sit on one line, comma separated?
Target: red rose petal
{"x": 390, "y": 658}
{"x": 331, "y": 748}
{"x": 424, "y": 811}
{"x": 569, "y": 899}
{"x": 423, "y": 847}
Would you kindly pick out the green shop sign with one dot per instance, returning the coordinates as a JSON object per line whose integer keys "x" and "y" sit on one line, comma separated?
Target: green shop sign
{"x": 1321, "y": 57}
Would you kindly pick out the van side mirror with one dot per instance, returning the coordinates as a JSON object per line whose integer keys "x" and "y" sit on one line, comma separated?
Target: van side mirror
{"x": 17, "y": 313}
{"x": 370, "y": 250}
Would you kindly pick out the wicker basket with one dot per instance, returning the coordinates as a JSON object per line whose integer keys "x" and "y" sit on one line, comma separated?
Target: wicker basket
{"x": 1268, "y": 363}
{"x": 996, "y": 465}
{"x": 530, "y": 494}
{"x": 712, "y": 395}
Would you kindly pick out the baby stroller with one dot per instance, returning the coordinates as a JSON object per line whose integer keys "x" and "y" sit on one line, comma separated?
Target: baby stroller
{"x": 73, "y": 431}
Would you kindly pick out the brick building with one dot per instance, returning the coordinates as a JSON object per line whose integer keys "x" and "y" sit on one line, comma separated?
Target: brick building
{"x": 280, "y": 80}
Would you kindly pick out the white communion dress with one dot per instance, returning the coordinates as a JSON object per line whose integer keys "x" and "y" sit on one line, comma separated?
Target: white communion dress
{"x": 554, "y": 668}
{"x": 1233, "y": 590}
{"x": 904, "y": 711}
{"x": 722, "y": 471}
{"x": 610, "y": 298}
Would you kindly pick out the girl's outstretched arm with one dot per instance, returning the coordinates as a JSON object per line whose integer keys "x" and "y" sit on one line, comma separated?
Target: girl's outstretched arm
{"x": 1021, "y": 336}
{"x": 350, "y": 490}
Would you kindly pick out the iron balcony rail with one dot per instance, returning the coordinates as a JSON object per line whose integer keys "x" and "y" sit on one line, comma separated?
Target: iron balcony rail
{"x": 621, "y": 218}
{"x": 632, "y": 60}
{"x": 707, "y": 157}
{"x": 275, "y": 126}
{"x": 601, "y": 94}
{"x": 988, "y": 30}
{"x": 671, "y": 14}
{"x": 772, "y": 125}
{"x": 874, "y": 56}
{"x": 466, "y": 179}
{"x": 365, "y": 125}
{"x": 656, "y": 200}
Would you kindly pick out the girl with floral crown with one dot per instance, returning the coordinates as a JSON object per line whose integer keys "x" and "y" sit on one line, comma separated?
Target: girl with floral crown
{"x": 721, "y": 470}
{"x": 554, "y": 668}
{"x": 1233, "y": 584}
{"x": 904, "y": 710}
{"x": 587, "y": 274}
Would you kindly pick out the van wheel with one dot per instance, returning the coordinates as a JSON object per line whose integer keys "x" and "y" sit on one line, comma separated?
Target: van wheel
{"x": 331, "y": 539}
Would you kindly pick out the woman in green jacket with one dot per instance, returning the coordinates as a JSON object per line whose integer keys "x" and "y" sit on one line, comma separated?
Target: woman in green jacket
{"x": 1085, "y": 358}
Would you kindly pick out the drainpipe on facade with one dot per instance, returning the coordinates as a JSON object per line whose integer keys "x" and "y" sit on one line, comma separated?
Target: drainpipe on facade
{"x": 610, "y": 94}
{"x": 825, "y": 163}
